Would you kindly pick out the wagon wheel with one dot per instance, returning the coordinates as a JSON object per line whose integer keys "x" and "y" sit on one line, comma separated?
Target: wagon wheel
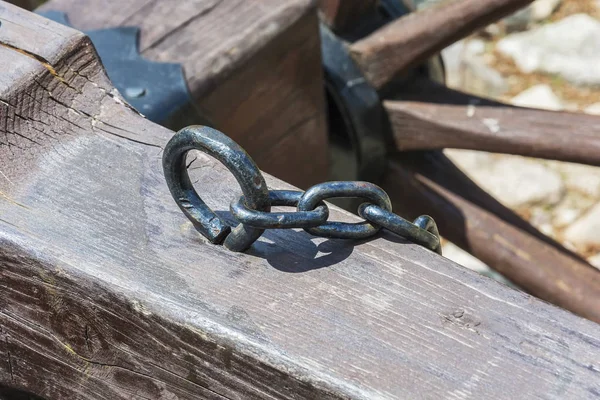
{"x": 425, "y": 116}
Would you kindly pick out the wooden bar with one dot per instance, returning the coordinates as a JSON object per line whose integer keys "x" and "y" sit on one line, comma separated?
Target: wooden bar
{"x": 430, "y": 116}
{"x": 107, "y": 292}
{"x": 409, "y": 41}
{"x": 254, "y": 69}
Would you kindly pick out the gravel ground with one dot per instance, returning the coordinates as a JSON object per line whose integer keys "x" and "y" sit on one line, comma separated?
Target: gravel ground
{"x": 560, "y": 199}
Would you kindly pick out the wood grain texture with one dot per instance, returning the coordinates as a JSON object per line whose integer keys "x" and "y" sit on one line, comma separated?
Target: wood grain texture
{"x": 428, "y": 183}
{"x": 431, "y": 116}
{"x": 409, "y": 41}
{"x": 107, "y": 292}
{"x": 253, "y": 67}
{"x": 341, "y": 16}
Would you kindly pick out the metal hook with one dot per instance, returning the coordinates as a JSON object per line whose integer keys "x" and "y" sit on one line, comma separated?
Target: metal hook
{"x": 241, "y": 165}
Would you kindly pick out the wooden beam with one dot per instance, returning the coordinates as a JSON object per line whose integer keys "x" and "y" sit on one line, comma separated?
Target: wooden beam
{"x": 409, "y": 41}
{"x": 107, "y": 292}
{"x": 254, "y": 69}
{"x": 430, "y": 116}
{"x": 428, "y": 183}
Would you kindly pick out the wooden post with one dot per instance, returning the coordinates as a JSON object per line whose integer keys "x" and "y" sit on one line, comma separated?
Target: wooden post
{"x": 254, "y": 69}
{"x": 107, "y": 292}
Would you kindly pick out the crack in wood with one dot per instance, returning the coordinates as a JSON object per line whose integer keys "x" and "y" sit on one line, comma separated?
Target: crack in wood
{"x": 43, "y": 62}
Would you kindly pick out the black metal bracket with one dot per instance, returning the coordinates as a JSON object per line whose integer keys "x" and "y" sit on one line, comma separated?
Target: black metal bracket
{"x": 157, "y": 90}
{"x": 360, "y": 134}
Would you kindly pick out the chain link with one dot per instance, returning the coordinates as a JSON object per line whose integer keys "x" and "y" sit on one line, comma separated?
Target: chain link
{"x": 253, "y": 209}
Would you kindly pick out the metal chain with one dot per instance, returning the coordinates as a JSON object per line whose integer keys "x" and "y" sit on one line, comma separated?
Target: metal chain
{"x": 253, "y": 208}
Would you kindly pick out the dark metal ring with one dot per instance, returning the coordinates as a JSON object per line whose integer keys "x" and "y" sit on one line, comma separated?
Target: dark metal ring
{"x": 279, "y": 220}
{"x": 243, "y": 168}
{"x": 423, "y": 231}
{"x": 343, "y": 230}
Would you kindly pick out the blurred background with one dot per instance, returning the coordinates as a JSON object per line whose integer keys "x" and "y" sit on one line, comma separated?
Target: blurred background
{"x": 546, "y": 56}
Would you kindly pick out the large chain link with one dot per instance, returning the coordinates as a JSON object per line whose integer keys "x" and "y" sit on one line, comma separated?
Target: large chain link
{"x": 252, "y": 209}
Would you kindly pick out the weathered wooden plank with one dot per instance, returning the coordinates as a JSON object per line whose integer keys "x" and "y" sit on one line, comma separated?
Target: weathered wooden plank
{"x": 254, "y": 69}
{"x": 409, "y": 41}
{"x": 106, "y": 291}
{"x": 431, "y": 116}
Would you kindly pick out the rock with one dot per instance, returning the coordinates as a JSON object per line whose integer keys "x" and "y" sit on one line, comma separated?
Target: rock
{"x": 586, "y": 230}
{"x": 467, "y": 70}
{"x": 542, "y": 219}
{"x": 515, "y": 181}
{"x": 595, "y": 260}
{"x": 538, "y": 96}
{"x": 519, "y": 21}
{"x": 470, "y": 160}
{"x": 537, "y": 11}
{"x": 584, "y": 179}
{"x": 568, "y": 48}
{"x": 459, "y": 256}
{"x": 593, "y": 109}
{"x": 543, "y": 9}
{"x": 564, "y": 215}
{"x": 420, "y": 4}
{"x": 480, "y": 79}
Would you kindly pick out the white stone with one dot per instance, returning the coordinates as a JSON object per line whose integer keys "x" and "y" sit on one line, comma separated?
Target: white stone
{"x": 459, "y": 256}
{"x": 517, "y": 181}
{"x": 538, "y": 96}
{"x": 569, "y": 48}
{"x": 593, "y": 109}
{"x": 586, "y": 230}
{"x": 467, "y": 70}
{"x": 541, "y": 218}
{"x": 595, "y": 260}
{"x": 582, "y": 178}
{"x": 564, "y": 216}
{"x": 480, "y": 79}
{"x": 470, "y": 160}
{"x": 519, "y": 21}
{"x": 420, "y": 4}
{"x": 543, "y": 9}
{"x": 475, "y": 47}
{"x": 537, "y": 11}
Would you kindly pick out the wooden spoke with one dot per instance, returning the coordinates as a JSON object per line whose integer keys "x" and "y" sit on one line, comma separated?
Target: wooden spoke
{"x": 411, "y": 40}
{"x": 341, "y": 15}
{"x": 428, "y": 183}
{"x": 431, "y": 116}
